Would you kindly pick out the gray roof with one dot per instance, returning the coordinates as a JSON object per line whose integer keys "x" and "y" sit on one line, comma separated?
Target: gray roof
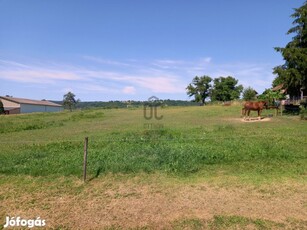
{"x": 29, "y": 101}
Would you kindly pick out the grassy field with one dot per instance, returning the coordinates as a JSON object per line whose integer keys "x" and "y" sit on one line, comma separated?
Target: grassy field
{"x": 137, "y": 173}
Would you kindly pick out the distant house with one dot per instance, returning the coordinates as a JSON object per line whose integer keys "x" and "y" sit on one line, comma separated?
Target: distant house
{"x": 13, "y": 105}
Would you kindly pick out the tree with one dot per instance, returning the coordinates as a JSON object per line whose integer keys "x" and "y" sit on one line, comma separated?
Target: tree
{"x": 271, "y": 96}
{"x": 249, "y": 94}
{"x": 1, "y": 108}
{"x": 293, "y": 72}
{"x": 69, "y": 101}
{"x": 199, "y": 88}
{"x": 226, "y": 89}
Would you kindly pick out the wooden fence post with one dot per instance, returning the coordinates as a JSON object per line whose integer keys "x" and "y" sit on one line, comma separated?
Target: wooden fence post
{"x": 276, "y": 111}
{"x": 85, "y": 158}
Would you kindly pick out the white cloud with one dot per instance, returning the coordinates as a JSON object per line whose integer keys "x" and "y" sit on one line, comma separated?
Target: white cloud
{"x": 129, "y": 90}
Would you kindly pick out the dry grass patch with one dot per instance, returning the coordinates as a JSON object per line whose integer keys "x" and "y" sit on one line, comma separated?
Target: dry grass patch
{"x": 156, "y": 202}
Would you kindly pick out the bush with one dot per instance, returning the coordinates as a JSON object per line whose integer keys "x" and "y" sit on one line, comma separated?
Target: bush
{"x": 303, "y": 113}
{"x": 1, "y": 108}
{"x": 249, "y": 94}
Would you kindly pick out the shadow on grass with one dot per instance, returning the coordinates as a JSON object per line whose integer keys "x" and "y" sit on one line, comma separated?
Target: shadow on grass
{"x": 98, "y": 171}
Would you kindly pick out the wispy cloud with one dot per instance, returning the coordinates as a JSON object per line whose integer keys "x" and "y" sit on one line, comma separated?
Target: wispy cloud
{"x": 35, "y": 73}
{"x": 105, "y": 61}
{"x": 161, "y": 84}
{"x": 12, "y": 63}
{"x": 181, "y": 64}
{"x": 38, "y": 76}
{"x": 95, "y": 88}
{"x": 132, "y": 77}
{"x": 256, "y": 75}
{"x": 168, "y": 64}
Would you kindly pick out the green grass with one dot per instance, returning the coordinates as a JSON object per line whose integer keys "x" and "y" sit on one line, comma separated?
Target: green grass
{"x": 203, "y": 140}
{"x": 221, "y": 222}
{"x": 239, "y": 222}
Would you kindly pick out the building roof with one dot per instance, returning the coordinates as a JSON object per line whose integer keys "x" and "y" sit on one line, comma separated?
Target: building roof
{"x": 278, "y": 87}
{"x": 29, "y": 101}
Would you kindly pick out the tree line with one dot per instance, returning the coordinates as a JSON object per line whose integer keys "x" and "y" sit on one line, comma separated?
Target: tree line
{"x": 222, "y": 89}
{"x": 70, "y": 102}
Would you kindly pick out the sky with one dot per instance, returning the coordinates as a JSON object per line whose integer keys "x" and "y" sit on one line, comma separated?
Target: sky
{"x": 105, "y": 50}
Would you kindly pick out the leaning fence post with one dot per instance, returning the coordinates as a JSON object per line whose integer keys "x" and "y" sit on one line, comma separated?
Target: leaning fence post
{"x": 85, "y": 158}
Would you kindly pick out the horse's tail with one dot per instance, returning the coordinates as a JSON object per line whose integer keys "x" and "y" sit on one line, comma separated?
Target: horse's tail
{"x": 242, "y": 111}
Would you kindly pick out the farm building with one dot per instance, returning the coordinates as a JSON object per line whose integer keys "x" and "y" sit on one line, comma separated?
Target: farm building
{"x": 13, "y": 105}
{"x": 282, "y": 89}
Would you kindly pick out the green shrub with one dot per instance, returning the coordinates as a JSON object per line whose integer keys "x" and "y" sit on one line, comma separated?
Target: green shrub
{"x": 303, "y": 113}
{"x": 1, "y": 108}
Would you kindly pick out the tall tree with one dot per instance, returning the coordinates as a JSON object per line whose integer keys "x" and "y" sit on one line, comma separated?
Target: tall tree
{"x": 69, "y": 101}
{"x": 226, "y": 89}
{"x": 199, "y": 88}
{"x": 293, "y": 73}
{"x": 249, "y": 94}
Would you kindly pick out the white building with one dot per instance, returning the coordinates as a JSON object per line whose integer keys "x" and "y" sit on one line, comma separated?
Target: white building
{"x": 13, "y": 105}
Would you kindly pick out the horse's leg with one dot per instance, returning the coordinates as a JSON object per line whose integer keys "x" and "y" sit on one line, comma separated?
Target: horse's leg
{"x": 248, "y": 112}
{"x": 245, "y": 111}
{"x": 259, "y": 112}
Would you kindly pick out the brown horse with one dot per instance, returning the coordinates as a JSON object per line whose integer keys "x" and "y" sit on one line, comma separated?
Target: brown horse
{"x": 255, "y": 106}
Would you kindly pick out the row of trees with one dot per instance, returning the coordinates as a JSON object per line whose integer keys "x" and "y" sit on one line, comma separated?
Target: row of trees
{"x": 70, "y": 102}
{"x": 226, "y": 89}
{"x": 223, "y": 89}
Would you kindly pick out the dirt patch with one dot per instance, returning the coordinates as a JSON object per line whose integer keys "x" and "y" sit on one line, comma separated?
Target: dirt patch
{"x": 127, "y": 204}
{"x": 255, "y": 119}
{"x": 251, "y": 120}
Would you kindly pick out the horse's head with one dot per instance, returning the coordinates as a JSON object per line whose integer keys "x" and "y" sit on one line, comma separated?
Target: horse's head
{"x": 264, "y": 104}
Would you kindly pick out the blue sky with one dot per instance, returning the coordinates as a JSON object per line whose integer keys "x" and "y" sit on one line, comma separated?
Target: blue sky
{"x": 133, "y": 49}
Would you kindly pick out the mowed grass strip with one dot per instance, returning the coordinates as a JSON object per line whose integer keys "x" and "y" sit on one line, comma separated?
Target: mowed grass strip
{"x": 188, "y": 140}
